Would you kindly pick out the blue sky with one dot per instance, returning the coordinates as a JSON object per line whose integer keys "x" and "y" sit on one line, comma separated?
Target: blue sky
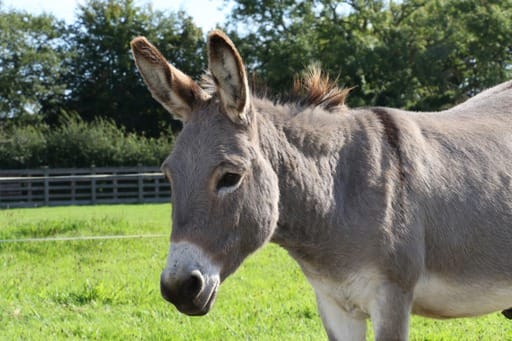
{"x": 206, "y": 13}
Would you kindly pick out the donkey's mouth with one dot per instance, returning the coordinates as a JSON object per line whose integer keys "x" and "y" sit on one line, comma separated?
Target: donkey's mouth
{"x": 210, "y": 300}
{"x": 202, "y": 303}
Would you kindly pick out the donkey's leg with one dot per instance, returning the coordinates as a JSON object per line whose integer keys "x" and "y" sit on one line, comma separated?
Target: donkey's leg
{"x": 340, "y": 325}
{"x": 389, "y": 313}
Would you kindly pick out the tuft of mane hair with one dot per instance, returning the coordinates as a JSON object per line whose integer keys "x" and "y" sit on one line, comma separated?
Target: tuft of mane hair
{"x": 315, "y": 88}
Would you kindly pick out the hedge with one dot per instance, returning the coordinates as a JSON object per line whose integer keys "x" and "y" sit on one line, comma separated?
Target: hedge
{"x": 76, "y": 143}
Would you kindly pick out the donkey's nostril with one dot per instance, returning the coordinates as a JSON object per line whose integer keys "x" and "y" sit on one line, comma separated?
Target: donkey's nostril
{"x": 193, "y": 285}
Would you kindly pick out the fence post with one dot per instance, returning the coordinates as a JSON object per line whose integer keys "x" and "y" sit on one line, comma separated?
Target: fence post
{"x": 29, "y": 188}
{"x": 73, "y": 188}
{"x": 46, "y": 186}
{"x": 93, "y": 184}
{"x": 140, "y": 183}
{"x": 114, "y": 185}
{"x": 157, "y": 187}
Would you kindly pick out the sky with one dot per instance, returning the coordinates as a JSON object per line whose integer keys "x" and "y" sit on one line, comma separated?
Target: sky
{"x": 206, "y": 13}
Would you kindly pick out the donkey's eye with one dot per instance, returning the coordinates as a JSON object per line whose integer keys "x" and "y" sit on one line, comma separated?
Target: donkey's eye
{"x": 228, "y": 180}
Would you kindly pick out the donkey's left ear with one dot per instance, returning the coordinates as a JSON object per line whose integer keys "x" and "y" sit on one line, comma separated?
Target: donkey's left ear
{"x": 228, "y": 71}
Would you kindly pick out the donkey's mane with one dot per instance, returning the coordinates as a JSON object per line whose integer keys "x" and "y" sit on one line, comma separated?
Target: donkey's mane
{"x": 313, "y": 88}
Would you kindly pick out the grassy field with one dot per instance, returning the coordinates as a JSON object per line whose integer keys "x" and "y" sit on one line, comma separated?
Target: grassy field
{"x": 109, "y": 289}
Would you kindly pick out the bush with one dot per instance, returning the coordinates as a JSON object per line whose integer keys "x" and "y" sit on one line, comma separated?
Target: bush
{"x": 23, "y": 147}
{"x": 76, "y": 143}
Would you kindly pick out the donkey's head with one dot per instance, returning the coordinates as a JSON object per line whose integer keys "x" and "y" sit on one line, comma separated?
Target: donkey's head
{"x": 224, "y": 192}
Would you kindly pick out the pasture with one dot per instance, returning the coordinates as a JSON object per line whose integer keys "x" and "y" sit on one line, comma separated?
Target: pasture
{"x": 109, "y": 289}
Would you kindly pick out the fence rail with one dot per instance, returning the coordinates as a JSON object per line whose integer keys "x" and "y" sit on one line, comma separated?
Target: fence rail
{"x": 85, "y": 186}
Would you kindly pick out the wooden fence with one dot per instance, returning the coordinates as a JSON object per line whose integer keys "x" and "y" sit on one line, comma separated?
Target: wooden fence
{"x": 52, "y": 187}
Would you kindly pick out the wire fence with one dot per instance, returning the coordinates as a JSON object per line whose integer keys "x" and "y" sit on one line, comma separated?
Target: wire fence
{"x": 80, "y": 238}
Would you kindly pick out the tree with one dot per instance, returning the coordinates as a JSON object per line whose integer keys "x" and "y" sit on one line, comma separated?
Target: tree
{"x": 414, "y": 54}
{"x": 31, "y": 50}
{"x": 104, "y": 81}
{"x": 276, "y": 37}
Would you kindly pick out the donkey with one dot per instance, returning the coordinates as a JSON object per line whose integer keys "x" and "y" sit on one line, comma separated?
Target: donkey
{"x": 387, "y": 212}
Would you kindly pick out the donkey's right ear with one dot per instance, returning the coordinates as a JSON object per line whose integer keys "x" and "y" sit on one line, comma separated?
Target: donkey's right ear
{"x": 176, "y": 91}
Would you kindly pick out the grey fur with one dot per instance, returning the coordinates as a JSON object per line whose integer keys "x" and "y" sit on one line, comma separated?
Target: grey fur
{"x": 401, "y": 197}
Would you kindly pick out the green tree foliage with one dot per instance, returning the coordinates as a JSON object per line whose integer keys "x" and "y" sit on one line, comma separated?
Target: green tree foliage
{"x": 103, "y": 78}
{"x": 32, "y": 49}
{"x": 276, "y": 37}
{"x": 413, "y": 53}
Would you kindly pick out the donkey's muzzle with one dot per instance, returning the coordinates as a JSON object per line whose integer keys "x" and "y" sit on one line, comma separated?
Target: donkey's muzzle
{"x": 190, "y": 292}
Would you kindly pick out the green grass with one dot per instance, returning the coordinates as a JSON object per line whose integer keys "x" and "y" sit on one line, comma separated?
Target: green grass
{"x": 109, "y": 289}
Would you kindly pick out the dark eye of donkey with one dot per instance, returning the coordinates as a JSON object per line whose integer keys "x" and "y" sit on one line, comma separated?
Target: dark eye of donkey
{"x": 228, "y": 180}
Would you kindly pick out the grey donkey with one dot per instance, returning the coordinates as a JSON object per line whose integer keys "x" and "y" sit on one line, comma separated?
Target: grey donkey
{"x": 387, "y": 212}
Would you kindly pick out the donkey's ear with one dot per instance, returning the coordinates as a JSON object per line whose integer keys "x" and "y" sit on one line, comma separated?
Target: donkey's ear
{"x": 176, "y": 91}
{"x": 228, "y": 71}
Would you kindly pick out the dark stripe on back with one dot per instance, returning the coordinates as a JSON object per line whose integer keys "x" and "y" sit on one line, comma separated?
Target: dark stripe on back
{"x": 393, "y": 138}
{"x": 400, "y": 235}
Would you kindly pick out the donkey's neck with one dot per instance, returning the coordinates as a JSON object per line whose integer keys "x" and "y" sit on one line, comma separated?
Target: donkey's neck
{"x": 310, "y": 153}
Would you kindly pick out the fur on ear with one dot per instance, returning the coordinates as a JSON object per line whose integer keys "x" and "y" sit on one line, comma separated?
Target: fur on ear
{"x": 229, "y": 75}
{"x": 176, "y": 91}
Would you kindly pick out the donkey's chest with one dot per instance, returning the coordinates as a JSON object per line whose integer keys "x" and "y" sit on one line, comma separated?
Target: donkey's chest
{"x": 354, "y": 294}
